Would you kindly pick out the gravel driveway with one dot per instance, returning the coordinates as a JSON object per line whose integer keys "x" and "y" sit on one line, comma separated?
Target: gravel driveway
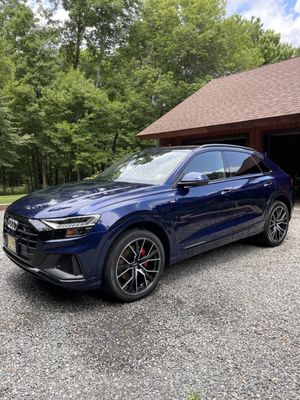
{"x": 225, "y": 324}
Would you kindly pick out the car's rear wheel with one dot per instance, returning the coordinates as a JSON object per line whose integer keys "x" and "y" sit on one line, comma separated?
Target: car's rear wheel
{"x": 134, "y": 265}
{"x": 276, "y": 225}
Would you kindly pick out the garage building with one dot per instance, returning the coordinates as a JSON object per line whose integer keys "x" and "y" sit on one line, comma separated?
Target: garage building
{"x": 259, "y": 108}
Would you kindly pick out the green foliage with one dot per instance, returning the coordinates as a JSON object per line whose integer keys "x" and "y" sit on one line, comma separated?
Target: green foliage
{"x": 7, "y": 68}
{"x": 76, "y": 122}
{"x": 180, "y": 36}
{"x": 101, "y": 24}
{"x": 242, "y": 52}
{"x": 193, "y": 396}
{"x": 74, "y": 95}
{"x": 268, "y": 42}
{"x": 8, "y": 137}
{"x": 8, "y": 134}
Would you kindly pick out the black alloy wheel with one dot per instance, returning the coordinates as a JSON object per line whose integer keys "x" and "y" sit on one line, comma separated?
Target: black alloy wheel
{"x": 134, "y": 265}
{"x": 276, "y": 225}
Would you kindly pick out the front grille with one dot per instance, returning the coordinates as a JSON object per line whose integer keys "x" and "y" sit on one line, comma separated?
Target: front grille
{"x": 25, "y": 235}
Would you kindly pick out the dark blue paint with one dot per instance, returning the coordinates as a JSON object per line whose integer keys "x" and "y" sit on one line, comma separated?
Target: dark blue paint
{"x": 192, "y": 219}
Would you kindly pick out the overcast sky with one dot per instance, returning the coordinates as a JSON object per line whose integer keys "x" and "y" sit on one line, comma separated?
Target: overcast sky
{"x": 281, "y": 15}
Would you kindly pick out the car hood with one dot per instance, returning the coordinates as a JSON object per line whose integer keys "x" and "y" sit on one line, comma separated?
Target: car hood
{"x": 68, "y": 199}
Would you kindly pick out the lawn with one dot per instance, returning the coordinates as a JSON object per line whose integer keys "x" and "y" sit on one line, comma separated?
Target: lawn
{"x": 7, "y": 199}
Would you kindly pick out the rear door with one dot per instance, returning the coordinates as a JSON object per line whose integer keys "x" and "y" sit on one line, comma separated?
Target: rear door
{"x": 251, "y": 189}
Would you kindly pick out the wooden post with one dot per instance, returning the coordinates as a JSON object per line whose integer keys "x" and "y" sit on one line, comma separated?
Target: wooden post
{"x": 256, "y": 139}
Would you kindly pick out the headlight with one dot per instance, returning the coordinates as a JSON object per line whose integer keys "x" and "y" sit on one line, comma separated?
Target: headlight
{"x": 69, "y": 226}
{"x": 72, "y": 222}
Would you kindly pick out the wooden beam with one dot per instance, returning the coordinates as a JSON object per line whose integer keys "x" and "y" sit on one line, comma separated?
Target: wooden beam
{"x": 291, "y": 121}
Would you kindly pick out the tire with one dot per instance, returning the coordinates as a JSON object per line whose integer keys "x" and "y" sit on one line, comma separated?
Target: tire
{"x": 276, "y": 225}
{"x": 134, "y": 265}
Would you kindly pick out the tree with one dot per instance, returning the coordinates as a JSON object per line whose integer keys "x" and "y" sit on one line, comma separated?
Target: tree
{"x": 181, "y": 36}
{"x": 101, "y": 24}
{"x": 76, "y": 117}
{"x": 269, "y": 42}
{"x": 74, "y": 30}
{"x": 35, "y": 56}
{"x": 8, "y": 133}
{"x": 109, "y": 22}
{"x": 74, "y": 95}
{"x": 241, "y": 50}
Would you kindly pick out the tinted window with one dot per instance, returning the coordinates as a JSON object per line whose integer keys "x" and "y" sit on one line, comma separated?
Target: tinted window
{"x": 241, "y": 163}
{"x": 261, "y": 164}
{"x": 210, "y": 164}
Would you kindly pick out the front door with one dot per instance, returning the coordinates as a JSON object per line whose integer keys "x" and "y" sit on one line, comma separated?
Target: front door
{"x": 203, "y": 213}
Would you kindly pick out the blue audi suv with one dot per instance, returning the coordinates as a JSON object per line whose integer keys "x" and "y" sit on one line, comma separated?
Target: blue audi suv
{"x": 157, "y": 207}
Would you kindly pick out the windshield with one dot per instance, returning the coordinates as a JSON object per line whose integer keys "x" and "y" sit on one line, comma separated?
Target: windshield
{"x": 152, "y": 166}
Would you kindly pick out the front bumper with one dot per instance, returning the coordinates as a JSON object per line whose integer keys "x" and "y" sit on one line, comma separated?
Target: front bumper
{"x": 73, "y": 263}
{"x": 51, "y": 273}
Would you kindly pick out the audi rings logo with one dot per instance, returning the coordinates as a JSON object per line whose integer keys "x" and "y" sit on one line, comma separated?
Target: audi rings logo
{"x": 12, "y": 224}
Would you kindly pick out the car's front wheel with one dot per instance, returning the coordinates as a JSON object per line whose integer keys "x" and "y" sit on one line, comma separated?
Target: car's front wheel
{"x": 134, "y": 265}
{"x": 276, "y": 225}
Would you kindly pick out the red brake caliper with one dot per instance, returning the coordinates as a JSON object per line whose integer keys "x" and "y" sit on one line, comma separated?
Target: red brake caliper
{"x": 142, "y": 254}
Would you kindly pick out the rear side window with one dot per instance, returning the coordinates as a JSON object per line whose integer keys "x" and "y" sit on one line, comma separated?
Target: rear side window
{"x": 241, "y": 163}
{"x": 209, "y": 163}
{"x": 261, "y": 164}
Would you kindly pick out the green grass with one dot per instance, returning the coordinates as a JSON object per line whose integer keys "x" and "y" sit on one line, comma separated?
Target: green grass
{"x": 10, "y": 198}
{"x": 193, "y": 396}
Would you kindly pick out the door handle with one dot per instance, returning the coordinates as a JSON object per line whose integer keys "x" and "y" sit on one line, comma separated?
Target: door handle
{"x": 226, "y": 192}
{"x": 268, "y": 184}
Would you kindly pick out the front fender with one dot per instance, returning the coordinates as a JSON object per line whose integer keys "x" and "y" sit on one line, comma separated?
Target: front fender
{"x": 147, "y": 219}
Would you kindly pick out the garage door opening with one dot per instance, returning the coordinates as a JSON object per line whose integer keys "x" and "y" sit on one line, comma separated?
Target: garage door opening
{"x": 284, "y": 150}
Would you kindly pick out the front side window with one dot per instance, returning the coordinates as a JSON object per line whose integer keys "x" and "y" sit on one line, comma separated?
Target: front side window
{"x": 241, "y": 163}
{"x": 209, "y": 163}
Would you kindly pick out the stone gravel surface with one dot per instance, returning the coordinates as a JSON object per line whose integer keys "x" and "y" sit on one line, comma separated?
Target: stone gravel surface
{"x": 225, "y": 324}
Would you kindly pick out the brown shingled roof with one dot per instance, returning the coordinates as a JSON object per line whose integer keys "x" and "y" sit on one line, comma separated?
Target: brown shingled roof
{"x": 265, "y": 92}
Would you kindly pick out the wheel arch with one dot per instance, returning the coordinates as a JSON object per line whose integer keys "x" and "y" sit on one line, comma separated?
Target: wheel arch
{"x": 123, "y": 226}
{"x": 285, "y": 200}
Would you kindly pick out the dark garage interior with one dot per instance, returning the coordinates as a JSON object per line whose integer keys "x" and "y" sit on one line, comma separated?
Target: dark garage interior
{"x": 284, "y": 149}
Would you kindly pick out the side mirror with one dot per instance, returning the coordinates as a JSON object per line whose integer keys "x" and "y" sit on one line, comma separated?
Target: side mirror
{"x": 193, "y": 179}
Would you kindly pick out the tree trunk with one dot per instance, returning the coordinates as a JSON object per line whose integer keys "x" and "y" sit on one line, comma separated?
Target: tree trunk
{"x": 35, "y": 170}
{"x": 97, "y": 82}
{"x": 4, "y": 180}
{"x": 44, "y": 171}
{"x": 114, "y": 143}
{"x": 50, "y": 173}
{"x": 30, "y": 178}
{"x": 99, "y": 66}
{"x": 79, "y": 34}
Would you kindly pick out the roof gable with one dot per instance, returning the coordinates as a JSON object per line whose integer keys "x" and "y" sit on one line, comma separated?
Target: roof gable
{"x": 268, "y": 91}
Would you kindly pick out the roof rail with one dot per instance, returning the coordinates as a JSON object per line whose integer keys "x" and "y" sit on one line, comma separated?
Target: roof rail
{"x": 234, "y": 146}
